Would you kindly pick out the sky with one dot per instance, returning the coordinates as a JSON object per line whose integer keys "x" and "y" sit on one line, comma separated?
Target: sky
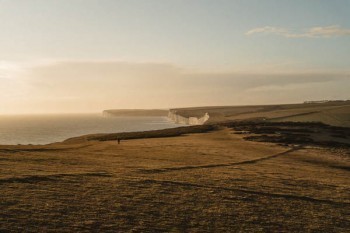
{"x": 65, "y": 56}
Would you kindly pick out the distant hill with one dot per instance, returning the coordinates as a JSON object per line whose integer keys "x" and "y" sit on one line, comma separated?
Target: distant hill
{"x": 335, "y": 113}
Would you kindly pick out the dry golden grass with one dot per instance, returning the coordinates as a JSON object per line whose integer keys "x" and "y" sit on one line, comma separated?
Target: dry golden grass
{"x": 207, "y": 182}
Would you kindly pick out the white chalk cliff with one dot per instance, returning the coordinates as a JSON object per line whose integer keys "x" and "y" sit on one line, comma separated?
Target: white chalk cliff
{"x": 187, "y": 120}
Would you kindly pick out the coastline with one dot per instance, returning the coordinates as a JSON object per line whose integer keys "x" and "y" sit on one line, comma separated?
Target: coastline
{"x": 243, "y": 169}
{"x": 46, "y": 129}
{"x": 336, "y": 113}
{"x": 159, "y": 179}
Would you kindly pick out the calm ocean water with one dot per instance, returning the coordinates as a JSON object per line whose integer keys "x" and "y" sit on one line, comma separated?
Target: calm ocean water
{"x": 44, "y": 129}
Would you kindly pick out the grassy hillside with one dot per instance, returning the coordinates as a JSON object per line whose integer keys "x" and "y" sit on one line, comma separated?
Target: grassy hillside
{"x": 216, "y": 181}
{"x": 335, "y": 113}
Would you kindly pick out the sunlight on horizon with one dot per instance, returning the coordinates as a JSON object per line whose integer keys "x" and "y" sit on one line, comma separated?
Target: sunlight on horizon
{"x": 87, "y": 56}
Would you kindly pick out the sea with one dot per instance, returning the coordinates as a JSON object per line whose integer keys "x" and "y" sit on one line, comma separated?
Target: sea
{"x": 45, "y": 129}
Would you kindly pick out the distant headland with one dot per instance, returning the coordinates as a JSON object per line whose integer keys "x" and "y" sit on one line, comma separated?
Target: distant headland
{"x": 336, "y": 113}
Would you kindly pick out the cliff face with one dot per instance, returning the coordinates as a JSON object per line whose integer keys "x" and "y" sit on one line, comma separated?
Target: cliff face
{"x": 187, "y": 120}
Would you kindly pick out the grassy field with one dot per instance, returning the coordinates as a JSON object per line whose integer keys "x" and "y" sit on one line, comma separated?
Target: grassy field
{"x": 212, "y": 180}
{"x": 335, "y": 113}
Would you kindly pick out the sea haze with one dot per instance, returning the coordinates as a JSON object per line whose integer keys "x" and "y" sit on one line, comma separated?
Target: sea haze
{"x": 44, "y": 129}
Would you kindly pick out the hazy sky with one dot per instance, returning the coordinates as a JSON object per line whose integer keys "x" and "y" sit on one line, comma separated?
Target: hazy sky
{"x": 90, "y": 55}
